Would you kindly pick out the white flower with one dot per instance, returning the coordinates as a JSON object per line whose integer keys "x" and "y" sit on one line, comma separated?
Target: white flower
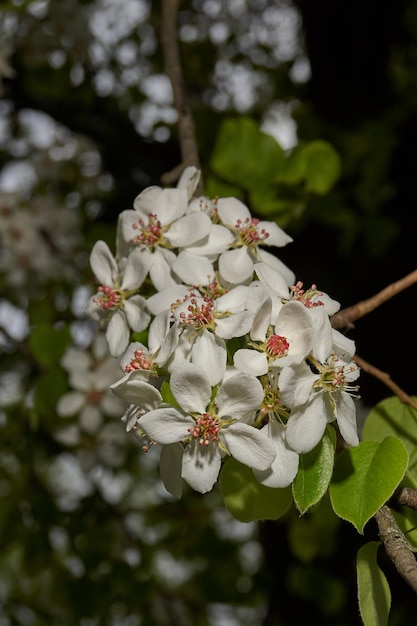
{"x": 90, "y": 376}
{"x": 209, "y": 428}
{"x": 290, "y": 342}
{"x": 159, "y": 224}
{"x": 205, "y": 324}
{"x": 116, "y": 303}
{"x": 285, "y": 465}
{"x": 236, "y": 266}
{"x": 318, "y": 394}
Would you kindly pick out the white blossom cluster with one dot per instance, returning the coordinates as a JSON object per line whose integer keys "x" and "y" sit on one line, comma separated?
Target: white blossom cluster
{"x": 37, "y": 241}
{"x": 240, "y": 359}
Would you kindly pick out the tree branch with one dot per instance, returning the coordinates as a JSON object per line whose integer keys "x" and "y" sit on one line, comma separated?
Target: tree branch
{"x": 396, "y": 546}
{"x": 386, "y": 379}
{"x": 173, "y": 68}
{"x": 346, "y": 317}
{"x": 407, "y": 497}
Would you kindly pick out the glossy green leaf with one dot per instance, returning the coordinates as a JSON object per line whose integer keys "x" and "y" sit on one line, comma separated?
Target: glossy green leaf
{"x": 365, "y": 477}
{"x": 373, "y": 590}
{"x": 48, "y": 344}
{"x": 248, "y": 500}
{"x": 314, "y": 473}
{"x": 393, "y": 417}
{"x": 244, "y": 155}
{"x": 323, "y": 166}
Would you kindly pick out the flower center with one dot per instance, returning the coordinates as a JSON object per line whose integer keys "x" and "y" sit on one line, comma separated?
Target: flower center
{"x": 140, "y": 361}
{"x": 108, "y": 298}
{"x": 206, "y": 429}
{"x": 200, "y": 313}
{"x": 276, "y": 346}
{"x": 305, "y": 296}
{"x": 249, "y": 234}
{"x": 151, "y": 234}
{"x": 336, "y": 377}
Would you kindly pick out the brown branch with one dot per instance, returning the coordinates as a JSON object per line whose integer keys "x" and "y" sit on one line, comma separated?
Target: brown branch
{"x": 173, "y": 68}
{"x": 346, "y": 317}
{"x": 407, "y": 497}
{"x": 387, "y": 380}
{"x": 396, "y": 546}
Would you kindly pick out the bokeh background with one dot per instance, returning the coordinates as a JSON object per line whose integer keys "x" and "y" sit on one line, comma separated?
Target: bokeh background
{"x": 88, "y": 534}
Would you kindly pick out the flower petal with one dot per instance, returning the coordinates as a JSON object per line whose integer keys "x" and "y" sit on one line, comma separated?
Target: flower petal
{"x": 346, "y": 418}
{"x": 231, "y": 210}
{"x": 306, "y": 425}
{"x": 136, "y": 315}
{"x": 135, "y": 390}
{"x": 247, "y": 445}
{"x": 210, "y": 354}
{"x": 201, "y": 466}
{"x": 117, "y": 334}
{"x": 193, "y": 270}
{"x": 251, "y": 361}
{"x": 238, "y": 396}
{"x": 103, "y": 264}
{"x": 191, "y": 388}
{"x": 70, "y": 403}
{"x": 277, "y": 236}
{"x": 136, "y": 268}
{"x": 188, "y": 229}
{"x": 285, "y": 465}
{"x": 166, "y": 425}
{"x": 236, "y": 266}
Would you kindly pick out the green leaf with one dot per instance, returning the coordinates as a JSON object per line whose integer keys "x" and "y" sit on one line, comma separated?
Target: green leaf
{"x": 218, "y": 188}
{"x": 167, "y": 395}
{"x": 365, "y": 477}
{"x": 50, "y": 387}
{"x": 393, "y": 417}
{"x": 323, "y": 166}
{"x": 314, "y": 473}
{"x": 48, "y": 344}
{"x": 245, "y": 156}
{"x": 248, "y": 500}
{"x": 373, "y": 590}
{"x": 266, "y": 202}
{"x": 293, "y": 170}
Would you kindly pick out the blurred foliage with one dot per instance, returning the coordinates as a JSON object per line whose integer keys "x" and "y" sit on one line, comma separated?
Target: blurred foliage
{"x": 88, "y": 536}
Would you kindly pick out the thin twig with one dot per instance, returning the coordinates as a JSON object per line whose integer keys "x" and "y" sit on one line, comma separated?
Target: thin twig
{"x": 346, "y": 317}
{"x": 396, "y": 546}
{"x": 387, "y": 380}
{"x": 407, "y": 497}
{"x": 173, "y": 68}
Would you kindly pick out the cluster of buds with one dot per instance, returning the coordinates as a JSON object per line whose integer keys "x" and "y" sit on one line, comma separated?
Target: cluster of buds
{"x": 239, "y": 359}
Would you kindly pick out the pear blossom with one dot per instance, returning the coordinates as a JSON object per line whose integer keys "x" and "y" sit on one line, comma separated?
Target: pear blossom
{"x": 204, "y": 324}
{"x": 158, "y": 223}
{"x": 290, "y": 340}
{"x": 318, "y": 394}
{"x": 90, "y": 376}
{"x": 236, "y": 265}
{"x": 116, "y": 303}
{"x": 210, "y": 428}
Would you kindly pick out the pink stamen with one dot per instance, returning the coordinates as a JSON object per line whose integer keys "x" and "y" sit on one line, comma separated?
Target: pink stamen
{"x": 140, "y": 361}
{"x": 150, "y": 234}
{"x": 277, "y": 346}
{"x": 249, "y": 232}
{"x": 205, "y": 429}
{"x": 108, "y": 298}
{"x": 305, "y": 296}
